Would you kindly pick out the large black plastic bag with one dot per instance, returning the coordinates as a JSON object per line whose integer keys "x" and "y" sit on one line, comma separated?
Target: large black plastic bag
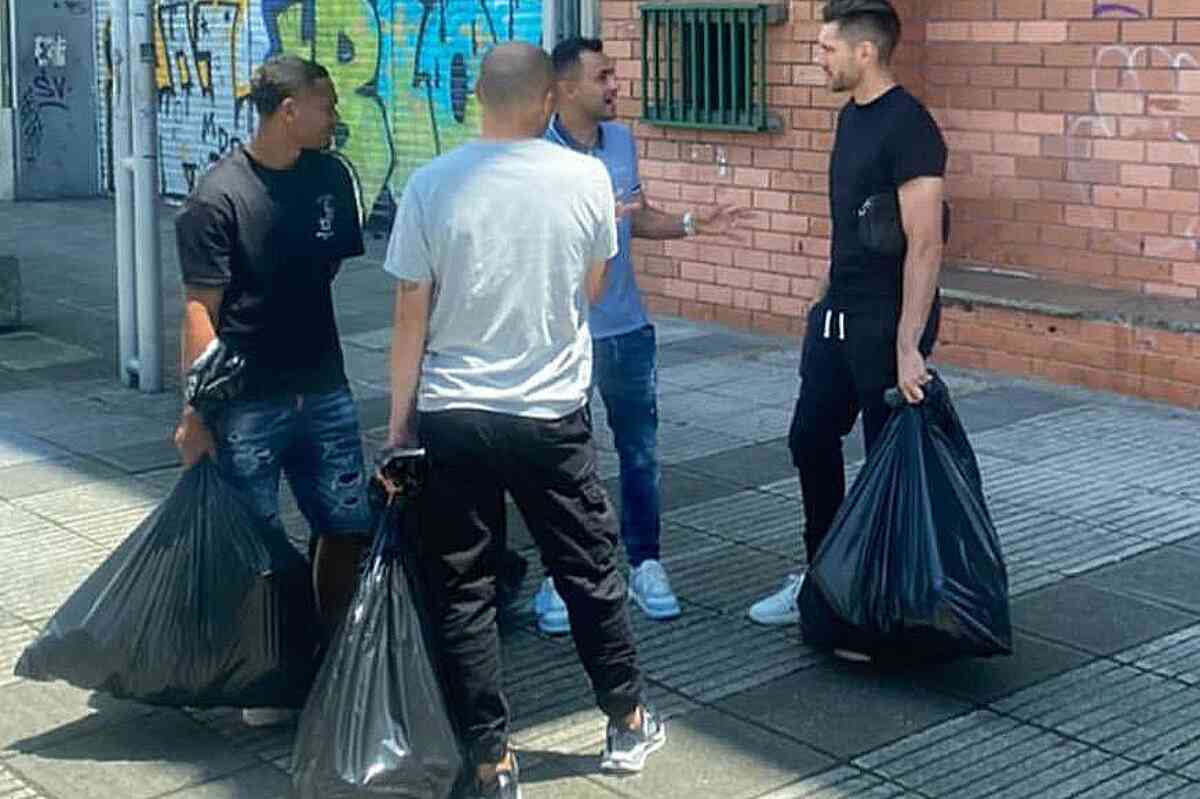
{"x": 376, "y": 723}
{"x": 912, "y": 565}
{"x": 202, "y": 605}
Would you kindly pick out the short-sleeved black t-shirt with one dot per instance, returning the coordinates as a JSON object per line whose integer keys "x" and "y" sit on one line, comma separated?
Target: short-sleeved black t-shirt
{"x": 273, "y": 240}
{"x": 879, "y": 147}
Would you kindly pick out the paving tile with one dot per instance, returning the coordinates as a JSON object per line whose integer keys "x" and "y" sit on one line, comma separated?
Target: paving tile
{"x": 259, "y": 782}
{"x": 18, "y": 448}
{"x": 748, "y": 466}
{"x": 983, "y": 680}
{"x": 1166, "y": 575}
{"x": 148, "y": 757}
{"x": 1000, "y": 406}
{"x": 13, "y": 787}
{"x": 843, "y": 782}
{"x": 140, "y": 457}
{"x": 27, "y": 350}
{"x": 1102, "y": 622}
{"x": 52, "y": 474}
{"x": 684, "y": 442}
{"x": 14, "y": 637}
{"x": 761, "y": 519}
{"x": 38, "y": 716}
{"x": 91, "y": 499}
{"x": 825, "y": 707}
{"x": 727, "y": 577}
{"x": 709, "y": 753}
{"x": 38, "y": 572}
{"x": 1176, "y": 656}
{"x": 549, "y": 782}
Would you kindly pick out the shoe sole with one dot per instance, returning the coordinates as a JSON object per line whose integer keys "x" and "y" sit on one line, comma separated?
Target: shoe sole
{"x": 653, "y": 613}
{"x": 774, "y": 621}
{"x": 633, "y": 767}
{"x": 850, "y": 656}
{"x": 554, "y": 629}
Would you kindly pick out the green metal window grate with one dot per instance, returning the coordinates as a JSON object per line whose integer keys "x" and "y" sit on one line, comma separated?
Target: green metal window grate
{"x": 705, "y": 66}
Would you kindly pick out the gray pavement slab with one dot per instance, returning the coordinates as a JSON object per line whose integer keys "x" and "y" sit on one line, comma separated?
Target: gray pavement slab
{"x": 826, "y": 707}
{"x": 713, "y": 754}
{"x": 256, "y": 782}
{"x": 52, "y": 474}
{"x": 141, "y": 758}
{"x": 984, "y": 680}
{"x": 1092, "y": 619}
{"x": 1167, "y": 575}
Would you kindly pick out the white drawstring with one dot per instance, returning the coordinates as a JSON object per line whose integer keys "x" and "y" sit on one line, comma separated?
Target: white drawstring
{"x": 828, "y": 322}
{"x": 841, "y": 326}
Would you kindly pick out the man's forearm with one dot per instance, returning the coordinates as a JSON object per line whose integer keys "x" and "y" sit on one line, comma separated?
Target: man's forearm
{"x": 409, "y": 331}
{"x": 651, "y": 223}
{"x": 921, "y": 267}
{"x": 406, "y": 371}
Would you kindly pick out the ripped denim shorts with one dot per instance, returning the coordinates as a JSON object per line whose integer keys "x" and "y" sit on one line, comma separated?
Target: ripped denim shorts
{"x": 314, "y": 440}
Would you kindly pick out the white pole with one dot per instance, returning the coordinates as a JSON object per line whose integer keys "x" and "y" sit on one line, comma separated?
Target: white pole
{"x": 146, "y": 196}
{"x": 121, "y": 166}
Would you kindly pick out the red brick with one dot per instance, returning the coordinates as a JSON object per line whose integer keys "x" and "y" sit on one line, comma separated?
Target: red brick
{"x": 1069, "y": 9}
{"x": 1150, "y": 176}
{"x": 1104, "y": 32}
{"x": 1143, "y": 222}
{"x": 1019, "y": 9}
{"x": 1150, "y": 31}
{"x": 1019, "y": 54}
{"x": 1119, "y": 196}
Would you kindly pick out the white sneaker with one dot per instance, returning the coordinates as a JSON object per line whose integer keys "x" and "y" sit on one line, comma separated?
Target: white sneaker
{"x": 650, "y": 589}
{"x": 268, "y": 716}
{"x": 551, "y": 611}
{"x": 780, "y": 607}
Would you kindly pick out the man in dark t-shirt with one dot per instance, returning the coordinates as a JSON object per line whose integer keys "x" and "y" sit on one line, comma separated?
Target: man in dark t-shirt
{"x": 260, "y": 240}
{"x": 876, "y": 320}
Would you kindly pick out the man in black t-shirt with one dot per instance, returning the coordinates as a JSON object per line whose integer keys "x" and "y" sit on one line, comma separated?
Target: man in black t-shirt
{"x": 260, "y": 240}
{"x": 877, "y": 317}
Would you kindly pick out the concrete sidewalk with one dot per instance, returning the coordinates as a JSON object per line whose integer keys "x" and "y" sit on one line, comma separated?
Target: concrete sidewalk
{"x": 1096, "y": 497}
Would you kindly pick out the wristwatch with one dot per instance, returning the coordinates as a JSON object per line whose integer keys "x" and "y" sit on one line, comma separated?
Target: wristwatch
{"x": 689, "y": 223}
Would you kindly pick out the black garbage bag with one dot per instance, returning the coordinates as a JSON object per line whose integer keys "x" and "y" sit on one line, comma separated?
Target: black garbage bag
{"x": 203, "y": 605}
{"x": 912, "y": 565}
{"x": 376, "y": 723}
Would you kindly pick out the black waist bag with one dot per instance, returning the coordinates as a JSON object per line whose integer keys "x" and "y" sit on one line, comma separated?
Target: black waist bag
{"x": 881, "y": 229}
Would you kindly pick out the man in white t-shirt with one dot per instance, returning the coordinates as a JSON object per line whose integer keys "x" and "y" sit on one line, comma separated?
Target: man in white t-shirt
{"x": 498, "y": 247}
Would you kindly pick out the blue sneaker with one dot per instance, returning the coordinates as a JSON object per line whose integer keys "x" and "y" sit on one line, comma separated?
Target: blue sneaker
{"x": 651, "y": 591}
{"x": 550, "y": 610}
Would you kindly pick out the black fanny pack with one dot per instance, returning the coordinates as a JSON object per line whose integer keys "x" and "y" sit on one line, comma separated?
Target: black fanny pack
{"x": 880, "y": 228}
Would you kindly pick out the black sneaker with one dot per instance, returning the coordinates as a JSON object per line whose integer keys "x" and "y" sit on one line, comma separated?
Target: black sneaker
{"x": 507, "y": 785}
{"x": 626, "y": 750}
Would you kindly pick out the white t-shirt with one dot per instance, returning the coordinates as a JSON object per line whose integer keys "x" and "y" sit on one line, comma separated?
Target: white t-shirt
{"x": 506, "y": 232}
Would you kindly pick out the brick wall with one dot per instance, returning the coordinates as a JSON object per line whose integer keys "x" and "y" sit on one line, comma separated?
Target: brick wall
{"x": 1074, "y": 129}
{"x": 767, "y": 281}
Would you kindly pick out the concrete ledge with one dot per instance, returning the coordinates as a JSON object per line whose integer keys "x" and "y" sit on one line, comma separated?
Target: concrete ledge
{"x": 969, "y": 286}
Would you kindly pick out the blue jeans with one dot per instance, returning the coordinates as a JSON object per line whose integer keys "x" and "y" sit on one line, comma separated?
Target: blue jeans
{"x": 625, "y": 373}
{"x": 314, "y": 440}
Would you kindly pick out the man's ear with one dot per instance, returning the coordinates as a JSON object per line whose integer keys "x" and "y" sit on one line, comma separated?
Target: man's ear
{"x": 288, "y": 107}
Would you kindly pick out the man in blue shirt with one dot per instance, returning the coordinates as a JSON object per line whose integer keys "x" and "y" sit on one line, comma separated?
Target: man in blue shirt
{"x": 624, "y": 368}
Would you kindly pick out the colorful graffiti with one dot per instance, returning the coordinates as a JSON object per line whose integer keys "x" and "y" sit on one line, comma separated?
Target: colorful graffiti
{"x": 404, "y": 71}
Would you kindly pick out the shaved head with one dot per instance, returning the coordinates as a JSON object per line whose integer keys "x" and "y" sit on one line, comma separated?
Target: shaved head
{"x": 514, "y": 78}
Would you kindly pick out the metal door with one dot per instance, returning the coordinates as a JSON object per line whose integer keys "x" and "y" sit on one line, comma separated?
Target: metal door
{"x": 54, "y": 94}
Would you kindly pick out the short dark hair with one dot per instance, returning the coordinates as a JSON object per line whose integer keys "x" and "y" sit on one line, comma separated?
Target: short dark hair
{"x": 567, "y": 52}
{"x": 280, "y": 77}
{"x": 875, "y": 21}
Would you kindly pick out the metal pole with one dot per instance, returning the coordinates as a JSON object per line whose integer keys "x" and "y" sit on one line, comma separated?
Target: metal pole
{"x": 146, "y": 191}
{"x": 121, "y": 166}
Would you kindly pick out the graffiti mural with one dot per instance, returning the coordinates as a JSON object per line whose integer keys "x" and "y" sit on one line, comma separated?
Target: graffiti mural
{"x": 404, "y": 72}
